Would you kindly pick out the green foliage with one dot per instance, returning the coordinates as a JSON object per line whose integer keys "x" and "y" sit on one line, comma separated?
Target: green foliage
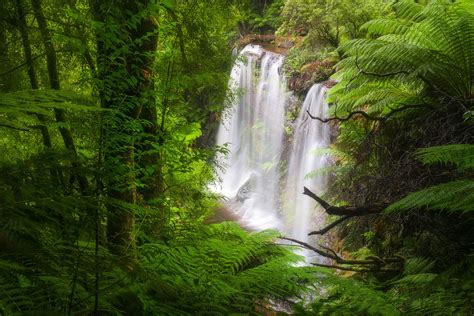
{"x": 271, "y": 17}
{"x": 50, "y": 261}
{"x": 17, "y": 108}
{"x": 324, "y": 25}
{"x": 328, "y": 22}
{"x": 223, "y": 269}
{"x": 154, "y": 120}
{"x": 259, "y": 16}
{"x": 346, "y": 296}
{"x": 454, "y": 196}
{"x": 459, "y": 155}
{"x": 412, "y": 76}
{"x": 341, "y": 162}
{"x": 414, "y": 69}
{"x": 418, "y": 291}
{"x": 157, "y": 113}
{"x": 410, "y": 57}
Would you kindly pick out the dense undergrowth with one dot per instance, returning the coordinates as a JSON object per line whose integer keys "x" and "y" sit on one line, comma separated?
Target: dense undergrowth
{"x": 104, "y": 165}
{"x": 403, "y": 104}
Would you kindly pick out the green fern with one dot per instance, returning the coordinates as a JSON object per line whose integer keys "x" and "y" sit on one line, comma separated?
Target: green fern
{"x": 425, "y": 48}
{"x": 348, "y": 296}
{"x": 459, "y": 155}
{"x": 225, "y": 269}
{"x": 454, "y": 196}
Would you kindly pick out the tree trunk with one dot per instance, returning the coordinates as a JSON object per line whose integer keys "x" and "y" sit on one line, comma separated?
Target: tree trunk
{"x": 6, "y": 85}
{"x": 30, "y": 68}
{"x": 126, "y": 86}
{"x": 53, "y": 75}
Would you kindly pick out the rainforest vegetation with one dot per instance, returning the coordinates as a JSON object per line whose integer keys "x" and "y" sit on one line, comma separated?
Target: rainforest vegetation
{"x": 109, "y": 111}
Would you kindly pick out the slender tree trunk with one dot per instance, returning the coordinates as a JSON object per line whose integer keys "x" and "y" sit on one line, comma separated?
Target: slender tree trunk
{"x": 30, "y": 68}
{"x": 149, "y": 156}
{"x": 53, "y": 75}
{"x": 5, "y": 84}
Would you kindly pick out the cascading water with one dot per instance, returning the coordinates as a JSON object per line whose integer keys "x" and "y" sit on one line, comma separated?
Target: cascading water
{"x": 257, "y": 190}
{"x": 309, "y": 136}
{"x": 255, "y": 138}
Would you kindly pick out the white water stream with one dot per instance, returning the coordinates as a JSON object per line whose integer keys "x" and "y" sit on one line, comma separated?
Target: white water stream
{"x": 303, "y": 213}
{"x": 262, "y": 185}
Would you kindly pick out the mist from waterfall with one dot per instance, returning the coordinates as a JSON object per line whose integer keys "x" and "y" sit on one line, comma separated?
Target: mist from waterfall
{"x": 263, "y": 185}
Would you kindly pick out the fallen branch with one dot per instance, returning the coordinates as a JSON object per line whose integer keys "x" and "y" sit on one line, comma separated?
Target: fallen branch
{"x": 347, "y": 210}
{"x": 309, "y": 247}
{"x": 376, "y": 262}
{"x": 337, "y": 267}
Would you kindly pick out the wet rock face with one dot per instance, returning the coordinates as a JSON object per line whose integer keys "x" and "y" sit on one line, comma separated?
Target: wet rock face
{"x": 271, "y": 42}
{"x": 314, "y": 72}
{"x": 285, "y": 42}
{"x": 245, "y": 191}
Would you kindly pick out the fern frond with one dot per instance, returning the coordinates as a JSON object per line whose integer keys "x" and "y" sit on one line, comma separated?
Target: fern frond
{"x": 417, "y": 265}
{"x": 408, "y": 10}
{"x": 386, "y": 26}
{"x": 454, "y": 196}
{"x": 459, "y": 155}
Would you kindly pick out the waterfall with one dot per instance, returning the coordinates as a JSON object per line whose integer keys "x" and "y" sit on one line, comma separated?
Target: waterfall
{"x": 254, "y": 134}
{"x": 257, "y": 188}
{"x": 309, "y": 137}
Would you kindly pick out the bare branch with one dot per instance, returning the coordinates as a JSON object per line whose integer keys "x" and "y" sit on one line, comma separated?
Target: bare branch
{"x": 308, "y": 246}
{"x": 338, "y": 267}
{"x": 342, "y": 119}
{"x": 330, "y": 226}
{"x": 370, "y": 117}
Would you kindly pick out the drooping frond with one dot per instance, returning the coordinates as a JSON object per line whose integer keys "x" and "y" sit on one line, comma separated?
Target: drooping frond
{"x": 39, "y": 100}
{"x": 16, "y": 108}
{"x": 417, "y": 265}
{"x": 459, "y": 155}
{"x": 454, "y": 196}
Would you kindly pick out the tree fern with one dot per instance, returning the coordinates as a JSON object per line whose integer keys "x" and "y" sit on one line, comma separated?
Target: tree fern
{"x": 429, "y": 48}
